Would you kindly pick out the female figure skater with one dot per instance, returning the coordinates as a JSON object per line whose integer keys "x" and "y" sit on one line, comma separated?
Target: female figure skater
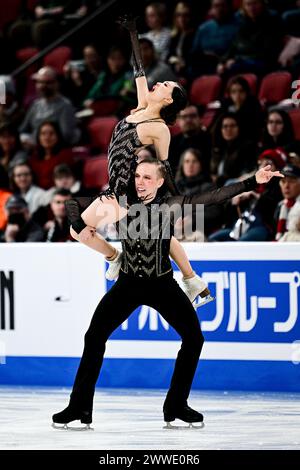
{"x": 147, "y": 125}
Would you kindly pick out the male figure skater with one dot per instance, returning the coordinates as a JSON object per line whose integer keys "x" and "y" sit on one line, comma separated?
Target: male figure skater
{"x": 146, "y": 278}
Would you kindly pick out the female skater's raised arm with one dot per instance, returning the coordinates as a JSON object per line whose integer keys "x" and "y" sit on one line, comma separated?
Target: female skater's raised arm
{"x": 138, "y": 68}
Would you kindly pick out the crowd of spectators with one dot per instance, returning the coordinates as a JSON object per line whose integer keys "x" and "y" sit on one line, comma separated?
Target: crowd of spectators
{"x": 52, "y": 110}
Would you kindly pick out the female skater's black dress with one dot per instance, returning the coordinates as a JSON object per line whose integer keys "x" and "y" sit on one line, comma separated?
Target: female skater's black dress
{"x": 122, "y": 162}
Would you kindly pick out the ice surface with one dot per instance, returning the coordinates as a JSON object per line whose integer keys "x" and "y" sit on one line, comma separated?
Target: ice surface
{"x": 132, "y": 419}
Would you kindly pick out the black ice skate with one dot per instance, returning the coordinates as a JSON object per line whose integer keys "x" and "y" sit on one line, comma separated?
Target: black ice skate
{"x": 185, "y": 414}
{"x": 70, "y": 414}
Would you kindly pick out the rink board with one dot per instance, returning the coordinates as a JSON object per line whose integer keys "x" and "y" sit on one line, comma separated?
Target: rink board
{"x": 48, "y": 293}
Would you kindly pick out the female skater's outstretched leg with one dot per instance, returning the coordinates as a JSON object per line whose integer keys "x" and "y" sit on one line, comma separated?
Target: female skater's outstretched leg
{"x": 98, "y": 214}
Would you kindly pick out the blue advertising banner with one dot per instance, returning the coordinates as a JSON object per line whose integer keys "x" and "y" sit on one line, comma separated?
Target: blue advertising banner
{"x": 251, "y": 330}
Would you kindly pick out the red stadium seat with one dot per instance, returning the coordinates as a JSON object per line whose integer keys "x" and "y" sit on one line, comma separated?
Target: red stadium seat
{"x": 22, "y": 55}
{"x": 100, "y": 130}
{"x": 205, "y": 89}
{"x": 275, "y": 87}
{"x": 175, "y": 130}
{"x": 95, "y": 172}
{"x": 58, "y": 58}
{"x": 295, "y": 117}
{"x": 26, "y": 53}
{"x": 106, "y": 107}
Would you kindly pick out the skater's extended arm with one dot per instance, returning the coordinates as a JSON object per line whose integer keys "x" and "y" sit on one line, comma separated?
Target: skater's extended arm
{"x": 227, "y": 192}
{"x": 138, "y": 68}
{"x": 74, "y": 208}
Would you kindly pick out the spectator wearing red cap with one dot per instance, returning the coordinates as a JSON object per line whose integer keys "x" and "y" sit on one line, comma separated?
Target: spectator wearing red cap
{"x": 288, "y": 210}
{"x": 276, "y": 157}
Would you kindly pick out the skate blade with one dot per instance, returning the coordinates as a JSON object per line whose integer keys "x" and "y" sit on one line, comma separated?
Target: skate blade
{"x": 65, "y": 427}
{"x": 206, "y": 300}
{"x": 189, "y": 426}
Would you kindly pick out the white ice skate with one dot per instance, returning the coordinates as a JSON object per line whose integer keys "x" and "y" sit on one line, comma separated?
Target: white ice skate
{"x": 114, "y": 267}
{"x": 195, "y": 287}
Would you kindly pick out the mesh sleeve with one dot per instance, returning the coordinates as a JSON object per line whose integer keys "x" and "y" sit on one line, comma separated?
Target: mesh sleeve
{"x": 170, "y": 181}
{"x": 217, "y": 196}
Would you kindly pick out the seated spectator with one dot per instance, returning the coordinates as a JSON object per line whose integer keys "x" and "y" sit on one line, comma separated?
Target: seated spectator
{"x": 4, "y": 196}
{"x": 291, "y": 19}
{"x": 50, "y": 106}
{"x": 155, "y": 70}
{"x": 64, "y": 178}
{"x": 181, "y": 39}
{"x": 19, "y": 31}
{"x": 50, "y": 151}
{"x": 290, "y": 188}
{"x": 10, "y": 147}
{"x": 257, "y": 44}
{"x": 58, "y": 228}
{"x": 213, "y": 38}
{"x": 293, "y": 151}
{"x": 158, "y": 33}
{"x": 232, "y": 156}
{"x": 292, "y": 233}
{"x": 255, "y": 209}
{"x": 81, "y": 76}
{"x": 112, "y": 81}
{"x": 51, "y": 18}
{"x": 245, "y": 106}
{"x": 289, "y": 57}
{"x": 20, "y": 227}
{"x": 190, "y": 178}
{"x": 22, "y": 184}
{"x": 192, "y": 135}
{"x": 278, "y": 131}
{"x": 10, "y": 111}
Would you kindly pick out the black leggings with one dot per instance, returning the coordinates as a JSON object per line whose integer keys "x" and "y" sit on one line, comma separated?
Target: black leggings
{"x": 128, "y": 293}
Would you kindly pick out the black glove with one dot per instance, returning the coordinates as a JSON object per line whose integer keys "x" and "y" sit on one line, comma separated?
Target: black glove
{"x": 74, "y": 208}
{"x": 129, "y": 22}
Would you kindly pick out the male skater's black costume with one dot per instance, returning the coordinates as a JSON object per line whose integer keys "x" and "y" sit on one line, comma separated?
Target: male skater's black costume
{"x": 146, "y": 278}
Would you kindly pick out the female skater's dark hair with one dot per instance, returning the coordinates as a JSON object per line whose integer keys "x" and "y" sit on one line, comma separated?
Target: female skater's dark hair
{"x": 169, "y": 113}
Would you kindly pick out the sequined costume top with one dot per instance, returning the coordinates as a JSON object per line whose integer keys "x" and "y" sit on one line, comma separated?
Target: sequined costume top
{"x": 121, "y": 156}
